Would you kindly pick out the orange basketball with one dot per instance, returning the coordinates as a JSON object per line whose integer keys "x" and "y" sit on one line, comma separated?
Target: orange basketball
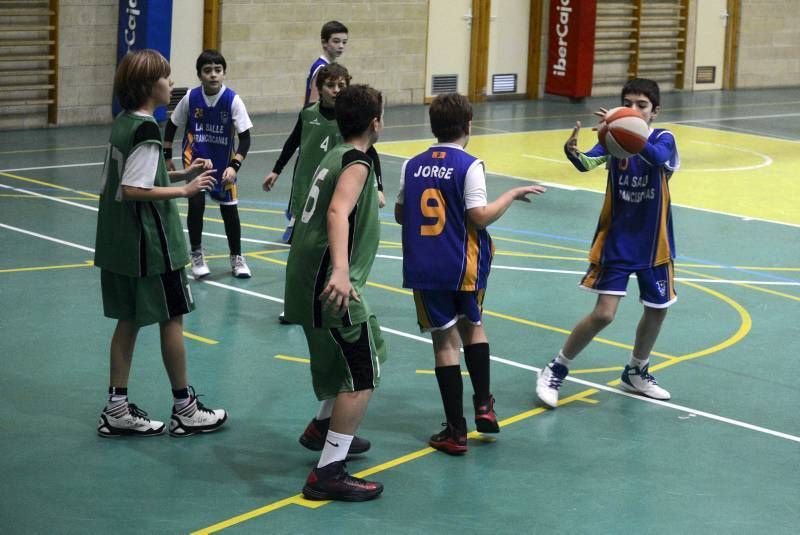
{"x": 623, "y": 132}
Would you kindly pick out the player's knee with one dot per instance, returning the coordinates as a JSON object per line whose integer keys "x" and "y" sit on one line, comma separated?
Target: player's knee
{"x": 603, "y": 317}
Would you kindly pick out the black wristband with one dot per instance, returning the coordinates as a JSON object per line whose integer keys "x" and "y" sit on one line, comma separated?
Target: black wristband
{"x": 167, "y": 153}
{"x": 236, "y": 164}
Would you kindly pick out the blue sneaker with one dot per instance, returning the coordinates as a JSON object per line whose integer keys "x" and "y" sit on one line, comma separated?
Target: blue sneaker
{"x": 287, "y": 234}
{"x": 550, "y": 379}
{"x": 639, "y": 381}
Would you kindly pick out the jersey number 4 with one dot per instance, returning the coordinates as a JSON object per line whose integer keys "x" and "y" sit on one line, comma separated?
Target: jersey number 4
{"x": 432, "y": 205}
{"x": 324, "y": 144}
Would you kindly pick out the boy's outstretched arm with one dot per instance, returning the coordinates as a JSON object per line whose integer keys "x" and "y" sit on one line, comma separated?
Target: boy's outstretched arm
{"x": 289, "y": 147}
{"x": 483, "y": 216}
{"x": 204, "y": 180}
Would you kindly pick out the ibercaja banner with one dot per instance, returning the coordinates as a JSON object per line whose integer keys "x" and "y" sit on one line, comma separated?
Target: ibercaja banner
{"x": 570, "y": 56}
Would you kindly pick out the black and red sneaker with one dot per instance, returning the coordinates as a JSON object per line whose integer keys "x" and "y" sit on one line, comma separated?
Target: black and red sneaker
{"x": 485, "y": 417}
{"x": 332, "y": 482}
{"x": 451, "y": 440}
{"x": 313, "y": 437}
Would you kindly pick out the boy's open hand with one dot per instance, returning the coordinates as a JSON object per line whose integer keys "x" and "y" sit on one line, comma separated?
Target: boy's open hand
{"x": 196, "y": 167}
{"x": 572, "y": 141}
{"x": 269, "y": 181}
{"x": 204, "y": 181}
{"x": 338, "y": 292}
{"x": 521, "y": 194}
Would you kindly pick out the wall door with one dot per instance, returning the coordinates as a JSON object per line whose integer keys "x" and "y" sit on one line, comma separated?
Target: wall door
{"x": 709, "y": 53}
{"x": 449, "y": 31}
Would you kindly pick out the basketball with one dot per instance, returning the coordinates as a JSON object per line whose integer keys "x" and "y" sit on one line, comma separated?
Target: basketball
{"x": 623, "y": 132}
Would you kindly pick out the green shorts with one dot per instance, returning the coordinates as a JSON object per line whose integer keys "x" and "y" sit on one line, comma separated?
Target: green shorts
{"x": 146, "y": 300}
{"x": 345, "y": 359}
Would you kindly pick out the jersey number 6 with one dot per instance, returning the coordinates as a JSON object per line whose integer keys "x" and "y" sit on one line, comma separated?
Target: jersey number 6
{"x": 433, "y": 206}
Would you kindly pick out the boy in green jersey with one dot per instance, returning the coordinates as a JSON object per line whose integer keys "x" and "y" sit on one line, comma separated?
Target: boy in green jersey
{"x": 141, "y": 251}
{"x": 314, "y": 133}
{"x": 333, "y": 248}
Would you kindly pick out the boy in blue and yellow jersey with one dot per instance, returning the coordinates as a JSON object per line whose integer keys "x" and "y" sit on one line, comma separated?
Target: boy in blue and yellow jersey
{"x": 141, "y": 251}
{"x": 212, "y": 116}
{"x": 447, "y": 254}
{"x": 634, "y": 235}
{"x": 333, "y": 38}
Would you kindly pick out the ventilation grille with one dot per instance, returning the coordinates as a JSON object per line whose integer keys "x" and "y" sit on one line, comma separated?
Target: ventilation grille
{"x": 177, "y": 95}
{"x": 706, "y": 75}
{"x": 444, "y": 83}
{"x": 504, "y": 83}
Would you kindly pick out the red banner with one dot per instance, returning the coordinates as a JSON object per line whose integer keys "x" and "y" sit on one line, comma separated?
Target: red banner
{"x": 570, "y": 56}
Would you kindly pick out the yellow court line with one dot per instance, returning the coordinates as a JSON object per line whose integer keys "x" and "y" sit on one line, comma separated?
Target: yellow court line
{"x": 539, "y": 244}
{"x": 745, "y": 285}
{"x": 433, "y": 372}
{"x": 268, "y": 259}
{"x": 298, "y": 499}
{"x": 243, "y": 209}
{"x": 567, "y": 332}
{"x": 589, "y": 401}
{"x": 244, "y": 225}
{"x": 253, "y": 253}
{"x": 293, "y": 359}
{"x": 744, "y": 328}
{"x": 51, "y": 185}
{"x": 596, "y": 370}
{"x": 542, "y": 256}
{"x": 199, "y": 338}
{"x": 87, "y": 263}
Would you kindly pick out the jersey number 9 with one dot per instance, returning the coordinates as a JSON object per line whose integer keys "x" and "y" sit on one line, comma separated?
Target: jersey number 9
{"x": 433, "y": 206}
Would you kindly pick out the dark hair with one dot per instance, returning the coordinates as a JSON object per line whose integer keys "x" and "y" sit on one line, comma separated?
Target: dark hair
{"x": 356, "y": 106}
{"x": 136, "y": 75}
{"x": 331, "y": 27}
{"x": 450, "y": 114}
{"x": 210, "y": 56}
{"x": 333, "y": 70}
{"x": 642, "y": 86}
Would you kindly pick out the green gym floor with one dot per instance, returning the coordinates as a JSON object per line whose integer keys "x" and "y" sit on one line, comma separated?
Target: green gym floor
{"x": 722, "y": 457}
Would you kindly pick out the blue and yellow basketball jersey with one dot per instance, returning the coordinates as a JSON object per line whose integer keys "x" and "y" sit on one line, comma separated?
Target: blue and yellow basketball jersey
{"x": 317, "y": 65}
{"x": 210, "y": 130}
{"x": 635, "y": 226}
{"x": 442, "y": 249}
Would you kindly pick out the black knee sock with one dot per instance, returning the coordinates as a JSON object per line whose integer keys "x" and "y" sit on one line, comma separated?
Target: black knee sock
{"x": 233, "y": 228}
{"x": 452, "y": 389}
{"x": 194, "y": 221}
{"x": 477, "y": 358}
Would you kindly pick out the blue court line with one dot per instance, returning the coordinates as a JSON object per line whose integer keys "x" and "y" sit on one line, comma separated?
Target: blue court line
{"x": 749, "y": 272}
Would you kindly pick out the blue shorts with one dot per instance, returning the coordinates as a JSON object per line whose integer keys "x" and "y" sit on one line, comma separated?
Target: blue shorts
{"x": 656, "y": 284}
{"x": 441, "y": 309}
{"x": 224, "y": 193}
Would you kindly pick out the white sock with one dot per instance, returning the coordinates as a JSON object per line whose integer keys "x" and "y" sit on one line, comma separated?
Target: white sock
{"x": 561, "y": 359}
{"x": 115, "y": 400}
{"x": 336, "y": 448}
{"x": 325, "y": 409}
{"x": 181, "y": 403}
{"x": 639, "y": 363}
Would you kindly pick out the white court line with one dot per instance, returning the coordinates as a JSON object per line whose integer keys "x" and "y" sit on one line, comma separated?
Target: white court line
{"x": 740, "y": 118}
{"x": 88, "y": 164}
{"x": 508, "y": 362}
{"x": 570, "y": 272}
{"x": 766, "y": 159}
{"x": 391, "y": 257}
{"x": 526, "y": 179}
{"x": 48, "y": 238}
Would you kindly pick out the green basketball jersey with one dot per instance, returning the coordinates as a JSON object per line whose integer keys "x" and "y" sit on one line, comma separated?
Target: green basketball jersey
{"x": 136, "y": 238}
{"x": 309, "y": 267}
{"x": 318, "y": 135}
